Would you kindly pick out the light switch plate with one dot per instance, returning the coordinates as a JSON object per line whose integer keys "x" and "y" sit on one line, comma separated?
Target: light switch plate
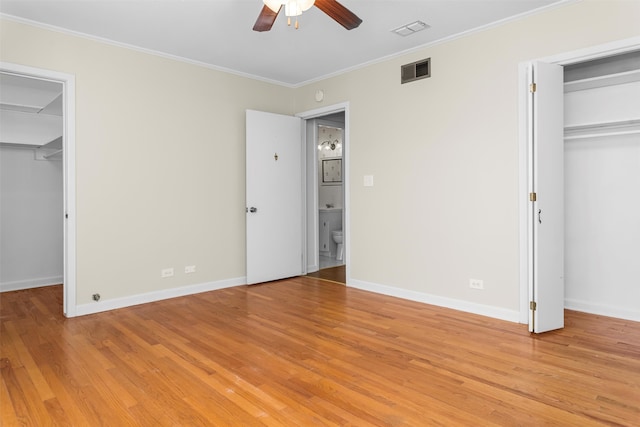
{"x": 368, "y": 180}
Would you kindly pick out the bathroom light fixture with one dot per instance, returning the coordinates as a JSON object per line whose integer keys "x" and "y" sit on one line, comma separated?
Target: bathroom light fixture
{"x": 291, "y": 7}
{"x": 328, "y": 145}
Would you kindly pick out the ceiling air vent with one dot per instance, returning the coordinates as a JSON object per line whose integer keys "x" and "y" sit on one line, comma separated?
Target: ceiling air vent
{"x": 415, "y": 71}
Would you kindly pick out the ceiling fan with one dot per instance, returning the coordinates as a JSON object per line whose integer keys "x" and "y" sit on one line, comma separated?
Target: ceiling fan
{"x": 335, "y": 10}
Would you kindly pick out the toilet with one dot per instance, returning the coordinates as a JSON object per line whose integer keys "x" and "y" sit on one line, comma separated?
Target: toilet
{"x": 337, "y": 237}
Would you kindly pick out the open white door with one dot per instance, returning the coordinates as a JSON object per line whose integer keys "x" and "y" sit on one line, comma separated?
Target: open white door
{"x": 274, "y": 196}
{"x": 546, "y": 219}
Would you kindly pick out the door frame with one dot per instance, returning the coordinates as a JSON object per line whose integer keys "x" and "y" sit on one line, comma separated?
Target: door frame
{"x": 68, "y": 173}
{"x": 318, "y": 113}
{"x": 313, "y": 189}
{"x": 566, "y": 58}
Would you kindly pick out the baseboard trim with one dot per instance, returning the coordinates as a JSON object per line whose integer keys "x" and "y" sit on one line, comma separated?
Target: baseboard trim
{"x": 602, "y": 309}
{"x": 30, "y": 283}
{"x": 113, "y": 304}
{"x": 468, "y": 307}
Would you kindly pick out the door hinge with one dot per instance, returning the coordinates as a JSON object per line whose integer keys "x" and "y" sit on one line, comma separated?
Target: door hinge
{"x": 532, "y": 87}
{"x": 533, "y": 305}
{"x": 533, "y": 197}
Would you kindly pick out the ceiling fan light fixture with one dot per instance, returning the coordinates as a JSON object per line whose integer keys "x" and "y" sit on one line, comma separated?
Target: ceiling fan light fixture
{"x": 291, "y": 7}
{"x": 332, "y": 8}
{"x": 274, "y": 5}
{"x": 306, "y": 4}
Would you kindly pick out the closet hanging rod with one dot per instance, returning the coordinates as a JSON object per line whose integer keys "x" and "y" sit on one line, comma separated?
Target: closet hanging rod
{"x": 596, "y": 130}
{"x": 633, "y": 123}
{"x": 600, "y": 135}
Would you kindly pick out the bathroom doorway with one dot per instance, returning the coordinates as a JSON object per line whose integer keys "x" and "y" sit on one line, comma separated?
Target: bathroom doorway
{"x": 326, "y": 189}
{"x": 329, "y": 141}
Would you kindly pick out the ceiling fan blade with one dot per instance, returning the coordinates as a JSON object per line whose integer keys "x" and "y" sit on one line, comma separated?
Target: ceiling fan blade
{"x": 266, "y": 19}
{"x": 339, "y": 13}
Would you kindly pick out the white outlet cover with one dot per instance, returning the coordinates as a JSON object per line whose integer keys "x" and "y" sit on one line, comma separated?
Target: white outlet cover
{"x": 368, "y": 180}
{"x": 476, "y": 284}
{"x": 166, "y": 272}
{"x": 190, "y": 269}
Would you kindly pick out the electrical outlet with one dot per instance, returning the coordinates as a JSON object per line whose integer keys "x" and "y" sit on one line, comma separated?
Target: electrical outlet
{"x": 166, "y": 272}
{"x": 476, "y": 284}
{"x": 190, "y": 269}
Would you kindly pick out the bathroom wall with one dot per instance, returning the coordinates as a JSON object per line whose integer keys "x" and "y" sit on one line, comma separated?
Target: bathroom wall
{"x": 329, "y": 194}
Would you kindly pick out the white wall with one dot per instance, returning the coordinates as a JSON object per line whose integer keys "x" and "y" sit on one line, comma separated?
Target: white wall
{"x": 329, "y": 194}
{"x": 160, "y": 159}
{"x": 602, "y": 207}
{"x": 160, "y": 164}
{"x": 448, "y": 191}
{"x": 31, "y": 215}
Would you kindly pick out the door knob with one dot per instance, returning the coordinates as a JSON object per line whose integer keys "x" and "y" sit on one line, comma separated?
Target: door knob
{"x": 253, "y": 210}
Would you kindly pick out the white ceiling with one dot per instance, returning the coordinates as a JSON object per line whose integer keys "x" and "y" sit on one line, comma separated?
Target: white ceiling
{"x": 219, "y": 33}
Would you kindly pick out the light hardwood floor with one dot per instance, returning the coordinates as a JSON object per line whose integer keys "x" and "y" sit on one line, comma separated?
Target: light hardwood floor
{"x": 307, "y": 352}
{"x": 334, "y": 274}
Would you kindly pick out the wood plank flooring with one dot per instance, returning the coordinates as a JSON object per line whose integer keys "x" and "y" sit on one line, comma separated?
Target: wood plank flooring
{"x": 335, "y": 274}
{"x": 307, "y": 352}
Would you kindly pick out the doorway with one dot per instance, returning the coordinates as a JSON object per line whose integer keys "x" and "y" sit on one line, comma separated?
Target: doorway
{"x": 601, "y": 171}
{"x": 527, "y": 301}
{"x": 327, "y": 192}
{"x": 60, "y": 147}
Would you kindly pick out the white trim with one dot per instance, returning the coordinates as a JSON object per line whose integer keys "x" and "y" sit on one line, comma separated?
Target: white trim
{"x": 469, "y": 32}
{"x": 602, "y": 309}
{"x": 113, "y": 304}
{"x": 30, "y": 283}
{"x": 566, "y": 58}
{"x": 346, "y": 160}
{"x": 303, "y": 200}
{"x": 594, "y": 52}
{"x": 443, "y": 40}
{"x": 312, "y": 174}
{"x": 523, "y": 191}
{"x": 460, "y": 305}
{"x": 140, "y": 49}
{"x": 69, "y": 174}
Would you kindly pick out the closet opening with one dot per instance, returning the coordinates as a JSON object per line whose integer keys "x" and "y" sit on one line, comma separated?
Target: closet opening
{"x": 601, "y": 175}
{"x": 37, "y": 197}
{"x": 599, "y": 137}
